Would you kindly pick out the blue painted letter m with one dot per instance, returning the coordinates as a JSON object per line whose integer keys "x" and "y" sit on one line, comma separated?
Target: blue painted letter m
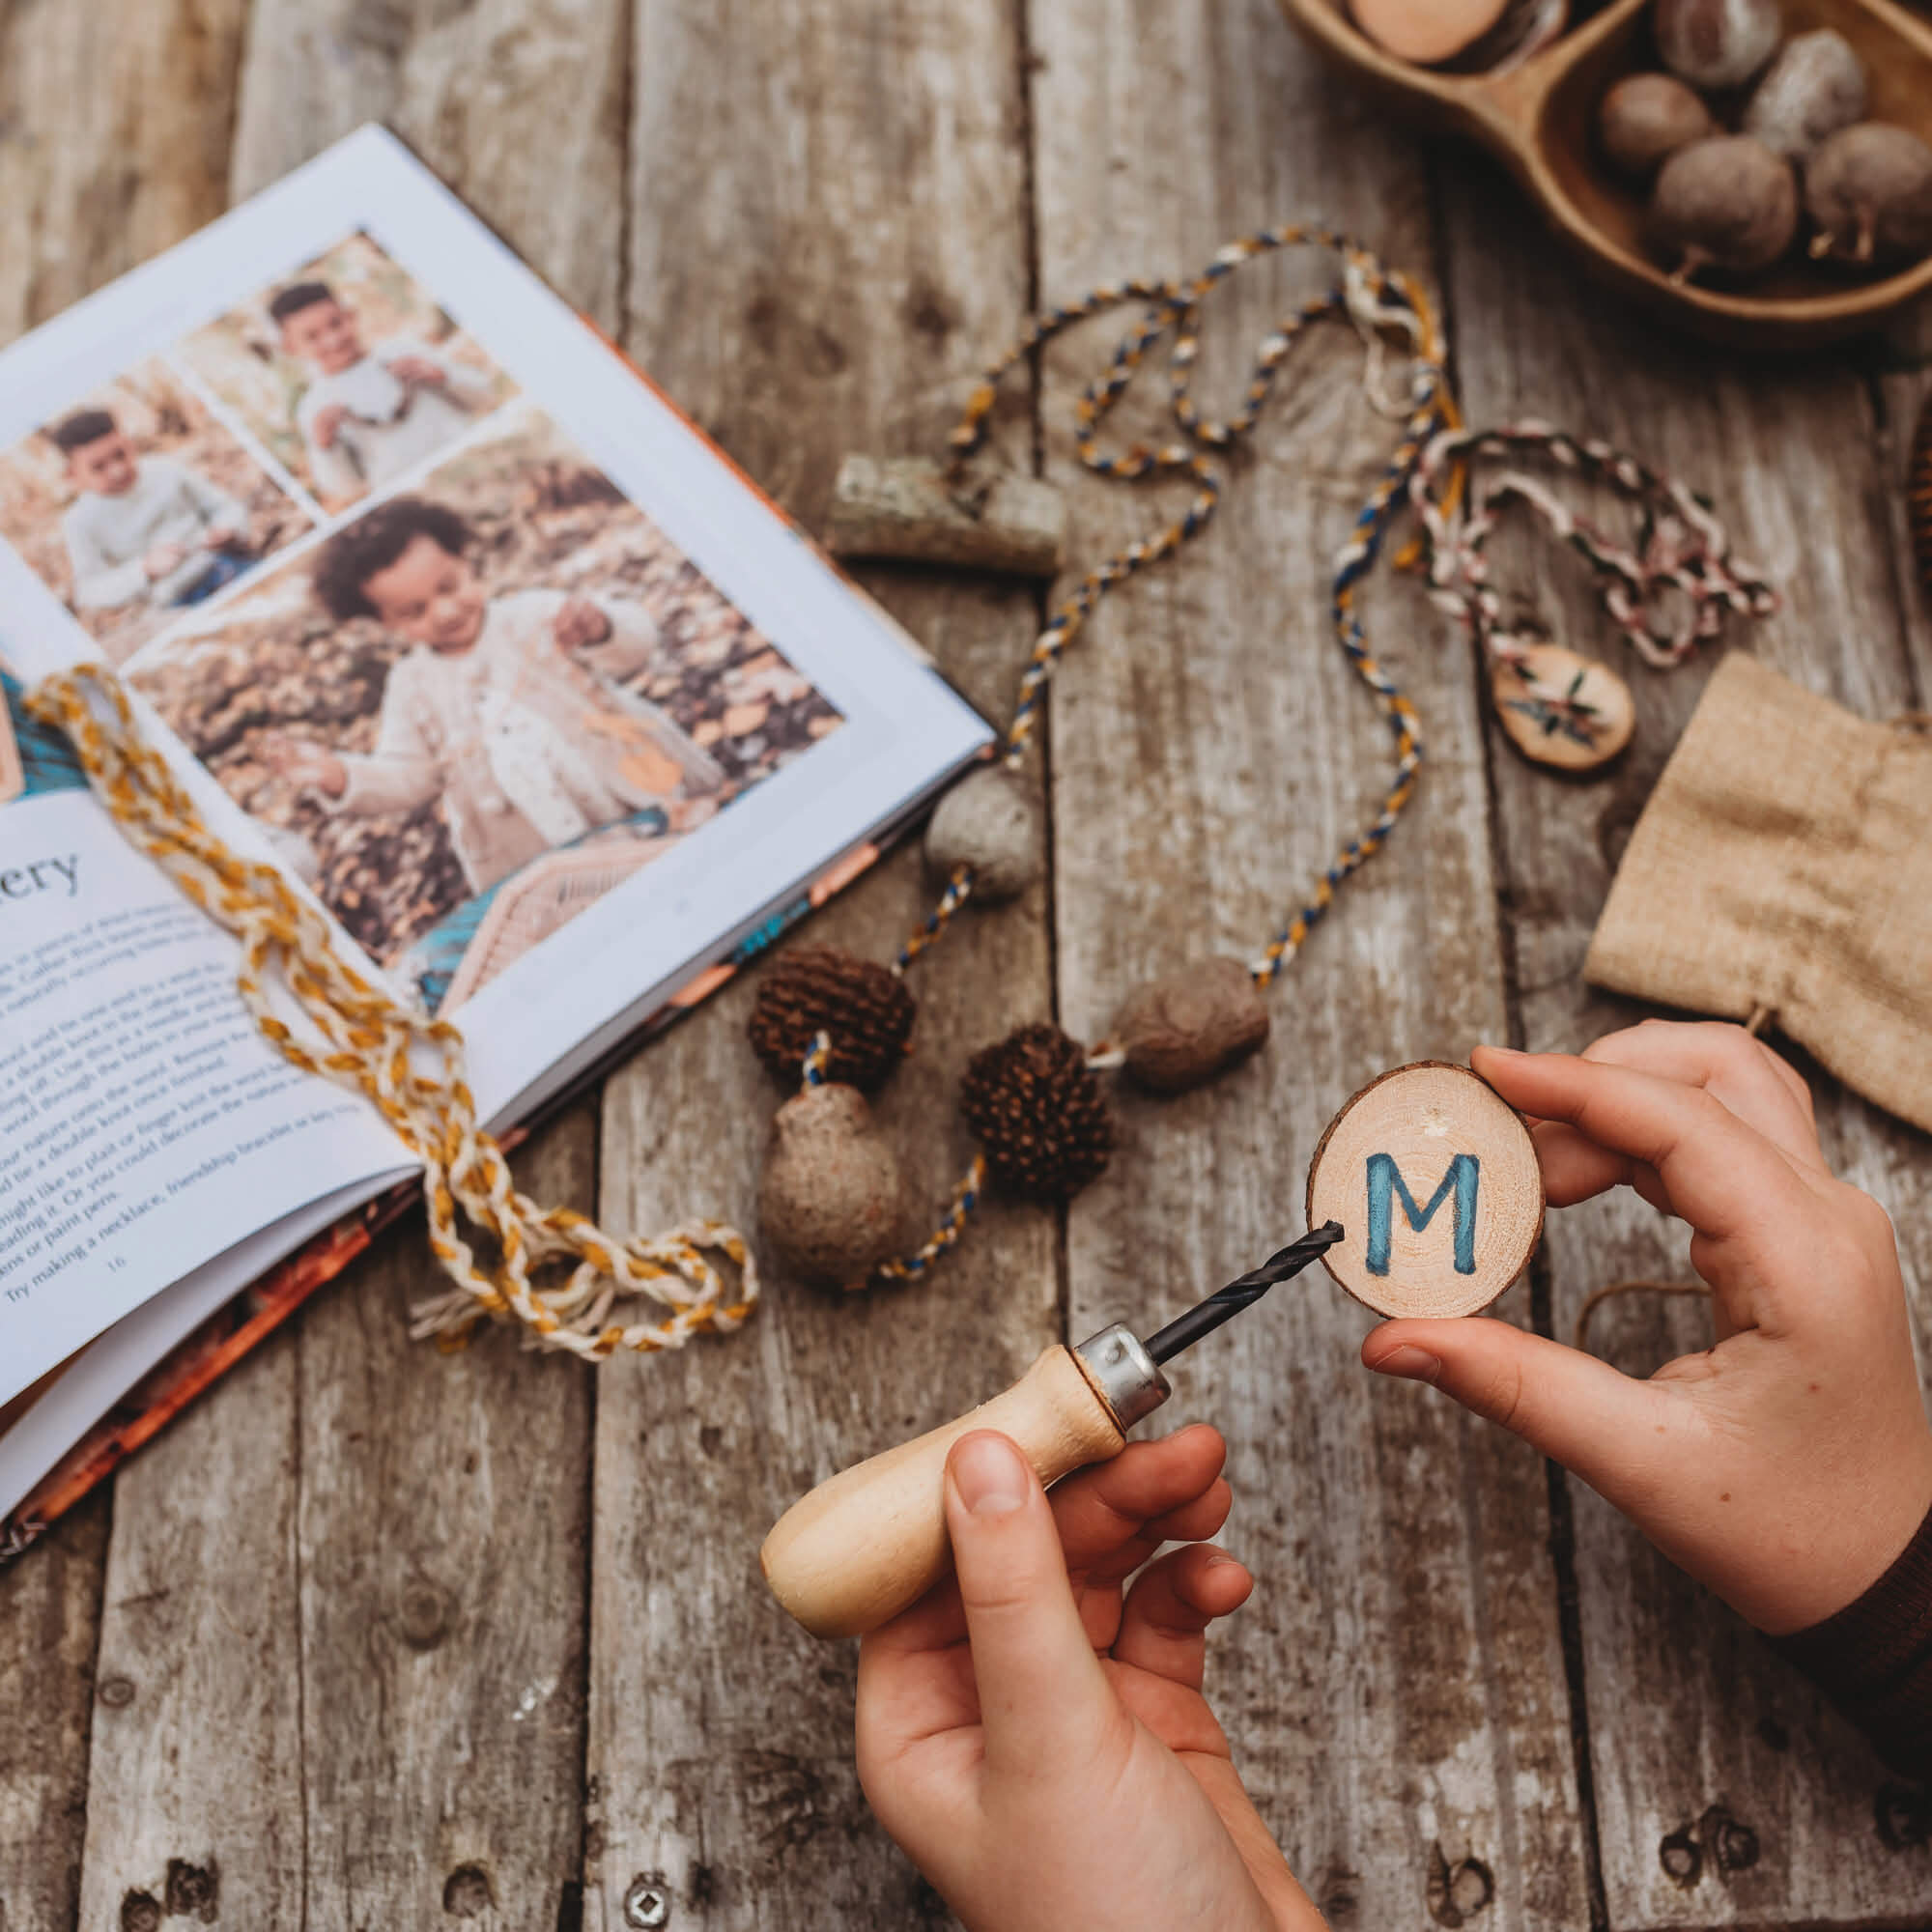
{"x": 1385, "y": 1181}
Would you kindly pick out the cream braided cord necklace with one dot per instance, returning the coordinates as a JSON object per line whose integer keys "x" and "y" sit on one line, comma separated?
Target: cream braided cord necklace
{"x": 410, "y": 1067}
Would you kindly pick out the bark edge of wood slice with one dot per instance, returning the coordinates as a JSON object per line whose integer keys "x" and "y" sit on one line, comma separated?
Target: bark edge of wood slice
{"x": 1429, "y": 1144}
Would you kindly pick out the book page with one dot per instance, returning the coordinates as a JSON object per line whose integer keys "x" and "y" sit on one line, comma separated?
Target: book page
{"x": 436, "y": 604}
{"x": 145, "y": 1125}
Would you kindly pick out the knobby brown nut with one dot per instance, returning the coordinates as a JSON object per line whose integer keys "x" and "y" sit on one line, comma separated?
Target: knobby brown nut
{"x": 1726, "y": 203}
{"x": 1181, "y": 1030}
{"x": 862, "y": 1007}
{"x": 1869, "y": 190}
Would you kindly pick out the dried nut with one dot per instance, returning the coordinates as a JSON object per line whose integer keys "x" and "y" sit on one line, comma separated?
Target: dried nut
{"x": 1716, "y": 44}
{"x": 987, "y": 821}
{"x": 1726, "y": 203}
{"x": 831, "y": 1202}
{"x": 1815, "y": 86}
{"x": 1869, "y": 190}
{"x": 1426, "y": 31}
{"x": 1180, "y": 1030}
{"x": 1645, "y": 117}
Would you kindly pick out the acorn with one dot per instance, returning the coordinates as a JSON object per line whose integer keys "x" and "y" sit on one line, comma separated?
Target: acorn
{"x": 1180, "y": 1030}
{"x": 1716, "y": 44}
{"x": 862, "y": 1006}
{"x": 1726, "y": 203}
{"x": 1035, "y": 1106}
{"x": 830, "y": 1202}
{"x": 1645, "y": 117}
{"x": 1815, "y": 86}
{"x": 991, "y": 822}
{"x": 1868, "y": 190}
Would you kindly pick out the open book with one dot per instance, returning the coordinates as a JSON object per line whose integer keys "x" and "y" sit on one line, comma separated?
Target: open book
{"x": 436, "y": 605}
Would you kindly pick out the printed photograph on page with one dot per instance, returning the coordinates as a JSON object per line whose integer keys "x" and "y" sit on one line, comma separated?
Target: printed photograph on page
{"x": 133, "y": 504}
{"x": 484, "y": 702}
{"x": 348, "y": 371}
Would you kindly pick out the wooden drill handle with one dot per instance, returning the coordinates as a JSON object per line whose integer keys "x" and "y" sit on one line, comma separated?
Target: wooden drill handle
{"x": 871, "y": 1540}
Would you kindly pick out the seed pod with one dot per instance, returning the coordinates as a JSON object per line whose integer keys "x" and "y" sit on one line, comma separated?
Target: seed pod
{"x": 1727, "y": 203}
{"x": 1814, "y": 87}
{"x": 1645, "y": 117}
{"x": 1869, "y": 190}
{"x": 1180, "y": 1030}
{"x": 988, "y": 821}
{"x": 1716, "y": 43}
{"x": 829, "y": 1202}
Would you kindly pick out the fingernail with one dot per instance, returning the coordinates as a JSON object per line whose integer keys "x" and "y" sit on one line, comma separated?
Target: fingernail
{"x": 1507, "y": 1052}
{"x": 1221, "y": 1559}
{"x": 989, "y": 1475}
{"x": 1416, "y": 1365}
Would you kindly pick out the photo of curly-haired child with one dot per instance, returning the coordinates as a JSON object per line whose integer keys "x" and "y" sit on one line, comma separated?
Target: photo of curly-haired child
{"x": 136, "y": 505}
{"x": 348, "y": 371}
{"x": 481, "y": 703}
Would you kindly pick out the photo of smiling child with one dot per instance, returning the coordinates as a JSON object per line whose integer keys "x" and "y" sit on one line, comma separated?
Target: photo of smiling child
{"x": 136, "y": 505}
{"x": 511, "y": 709}
{"x": 348, "y": 371}
{"x": 485, "y": 700}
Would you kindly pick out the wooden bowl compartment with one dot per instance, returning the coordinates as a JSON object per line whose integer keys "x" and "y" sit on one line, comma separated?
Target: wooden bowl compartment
{"x": 1540, "y": 120}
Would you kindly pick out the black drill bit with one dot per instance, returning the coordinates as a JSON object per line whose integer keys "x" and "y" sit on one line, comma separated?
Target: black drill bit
{"x": 1184, "y": 1330}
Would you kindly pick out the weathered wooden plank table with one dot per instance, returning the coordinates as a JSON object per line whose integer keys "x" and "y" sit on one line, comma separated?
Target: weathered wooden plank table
{"x": 382, "y": 1638}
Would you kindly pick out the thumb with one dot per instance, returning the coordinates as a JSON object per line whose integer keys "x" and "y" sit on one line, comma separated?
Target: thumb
{"x": 1041, "y": 1691}
{"x": 1617, "y": 1434}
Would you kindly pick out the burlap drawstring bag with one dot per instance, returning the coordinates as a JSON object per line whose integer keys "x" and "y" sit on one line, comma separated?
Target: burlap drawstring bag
{"x": 1784, "y": 862}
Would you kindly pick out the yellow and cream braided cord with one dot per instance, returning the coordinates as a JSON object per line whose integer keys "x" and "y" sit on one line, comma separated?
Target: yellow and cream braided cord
{"x": 409, "y": 1066}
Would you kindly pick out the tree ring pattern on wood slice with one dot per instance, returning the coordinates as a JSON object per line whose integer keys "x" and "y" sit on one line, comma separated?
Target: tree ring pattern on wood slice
{"x": 1563, "y": 709}
{"x": 1436, "y": 1180}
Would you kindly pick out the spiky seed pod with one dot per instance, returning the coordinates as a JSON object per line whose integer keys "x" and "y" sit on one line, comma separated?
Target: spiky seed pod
{"x": 1035, "y": 1106}
{"x": 1919, "y": 495}
{"x": 862, "y": 1005}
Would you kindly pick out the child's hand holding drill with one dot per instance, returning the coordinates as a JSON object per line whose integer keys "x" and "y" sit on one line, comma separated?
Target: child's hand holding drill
{"x": 1039, "y": 1743}
{"x": 1036, "y": 1739}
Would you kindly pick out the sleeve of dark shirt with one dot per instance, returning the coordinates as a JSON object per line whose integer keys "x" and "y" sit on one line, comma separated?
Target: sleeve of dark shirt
{"x": 1874, "y": 1658}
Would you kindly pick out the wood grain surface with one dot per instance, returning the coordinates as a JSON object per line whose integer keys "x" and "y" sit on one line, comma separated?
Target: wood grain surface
{"x": 1690, "y": 1722}
{"x": 846, "y": 297}
{"x": 1395, "y": 1687}
{"x": 379, "y": 1636}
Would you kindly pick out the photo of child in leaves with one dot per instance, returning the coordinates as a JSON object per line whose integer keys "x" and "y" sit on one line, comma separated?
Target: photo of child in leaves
{"x": 135, "y": 504}
{"x": 348, "y": 371}
{"x": 481, "y": 703}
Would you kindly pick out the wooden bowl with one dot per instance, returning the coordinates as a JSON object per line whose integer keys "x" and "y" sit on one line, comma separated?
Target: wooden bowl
{"x": 1540, "y": 120}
